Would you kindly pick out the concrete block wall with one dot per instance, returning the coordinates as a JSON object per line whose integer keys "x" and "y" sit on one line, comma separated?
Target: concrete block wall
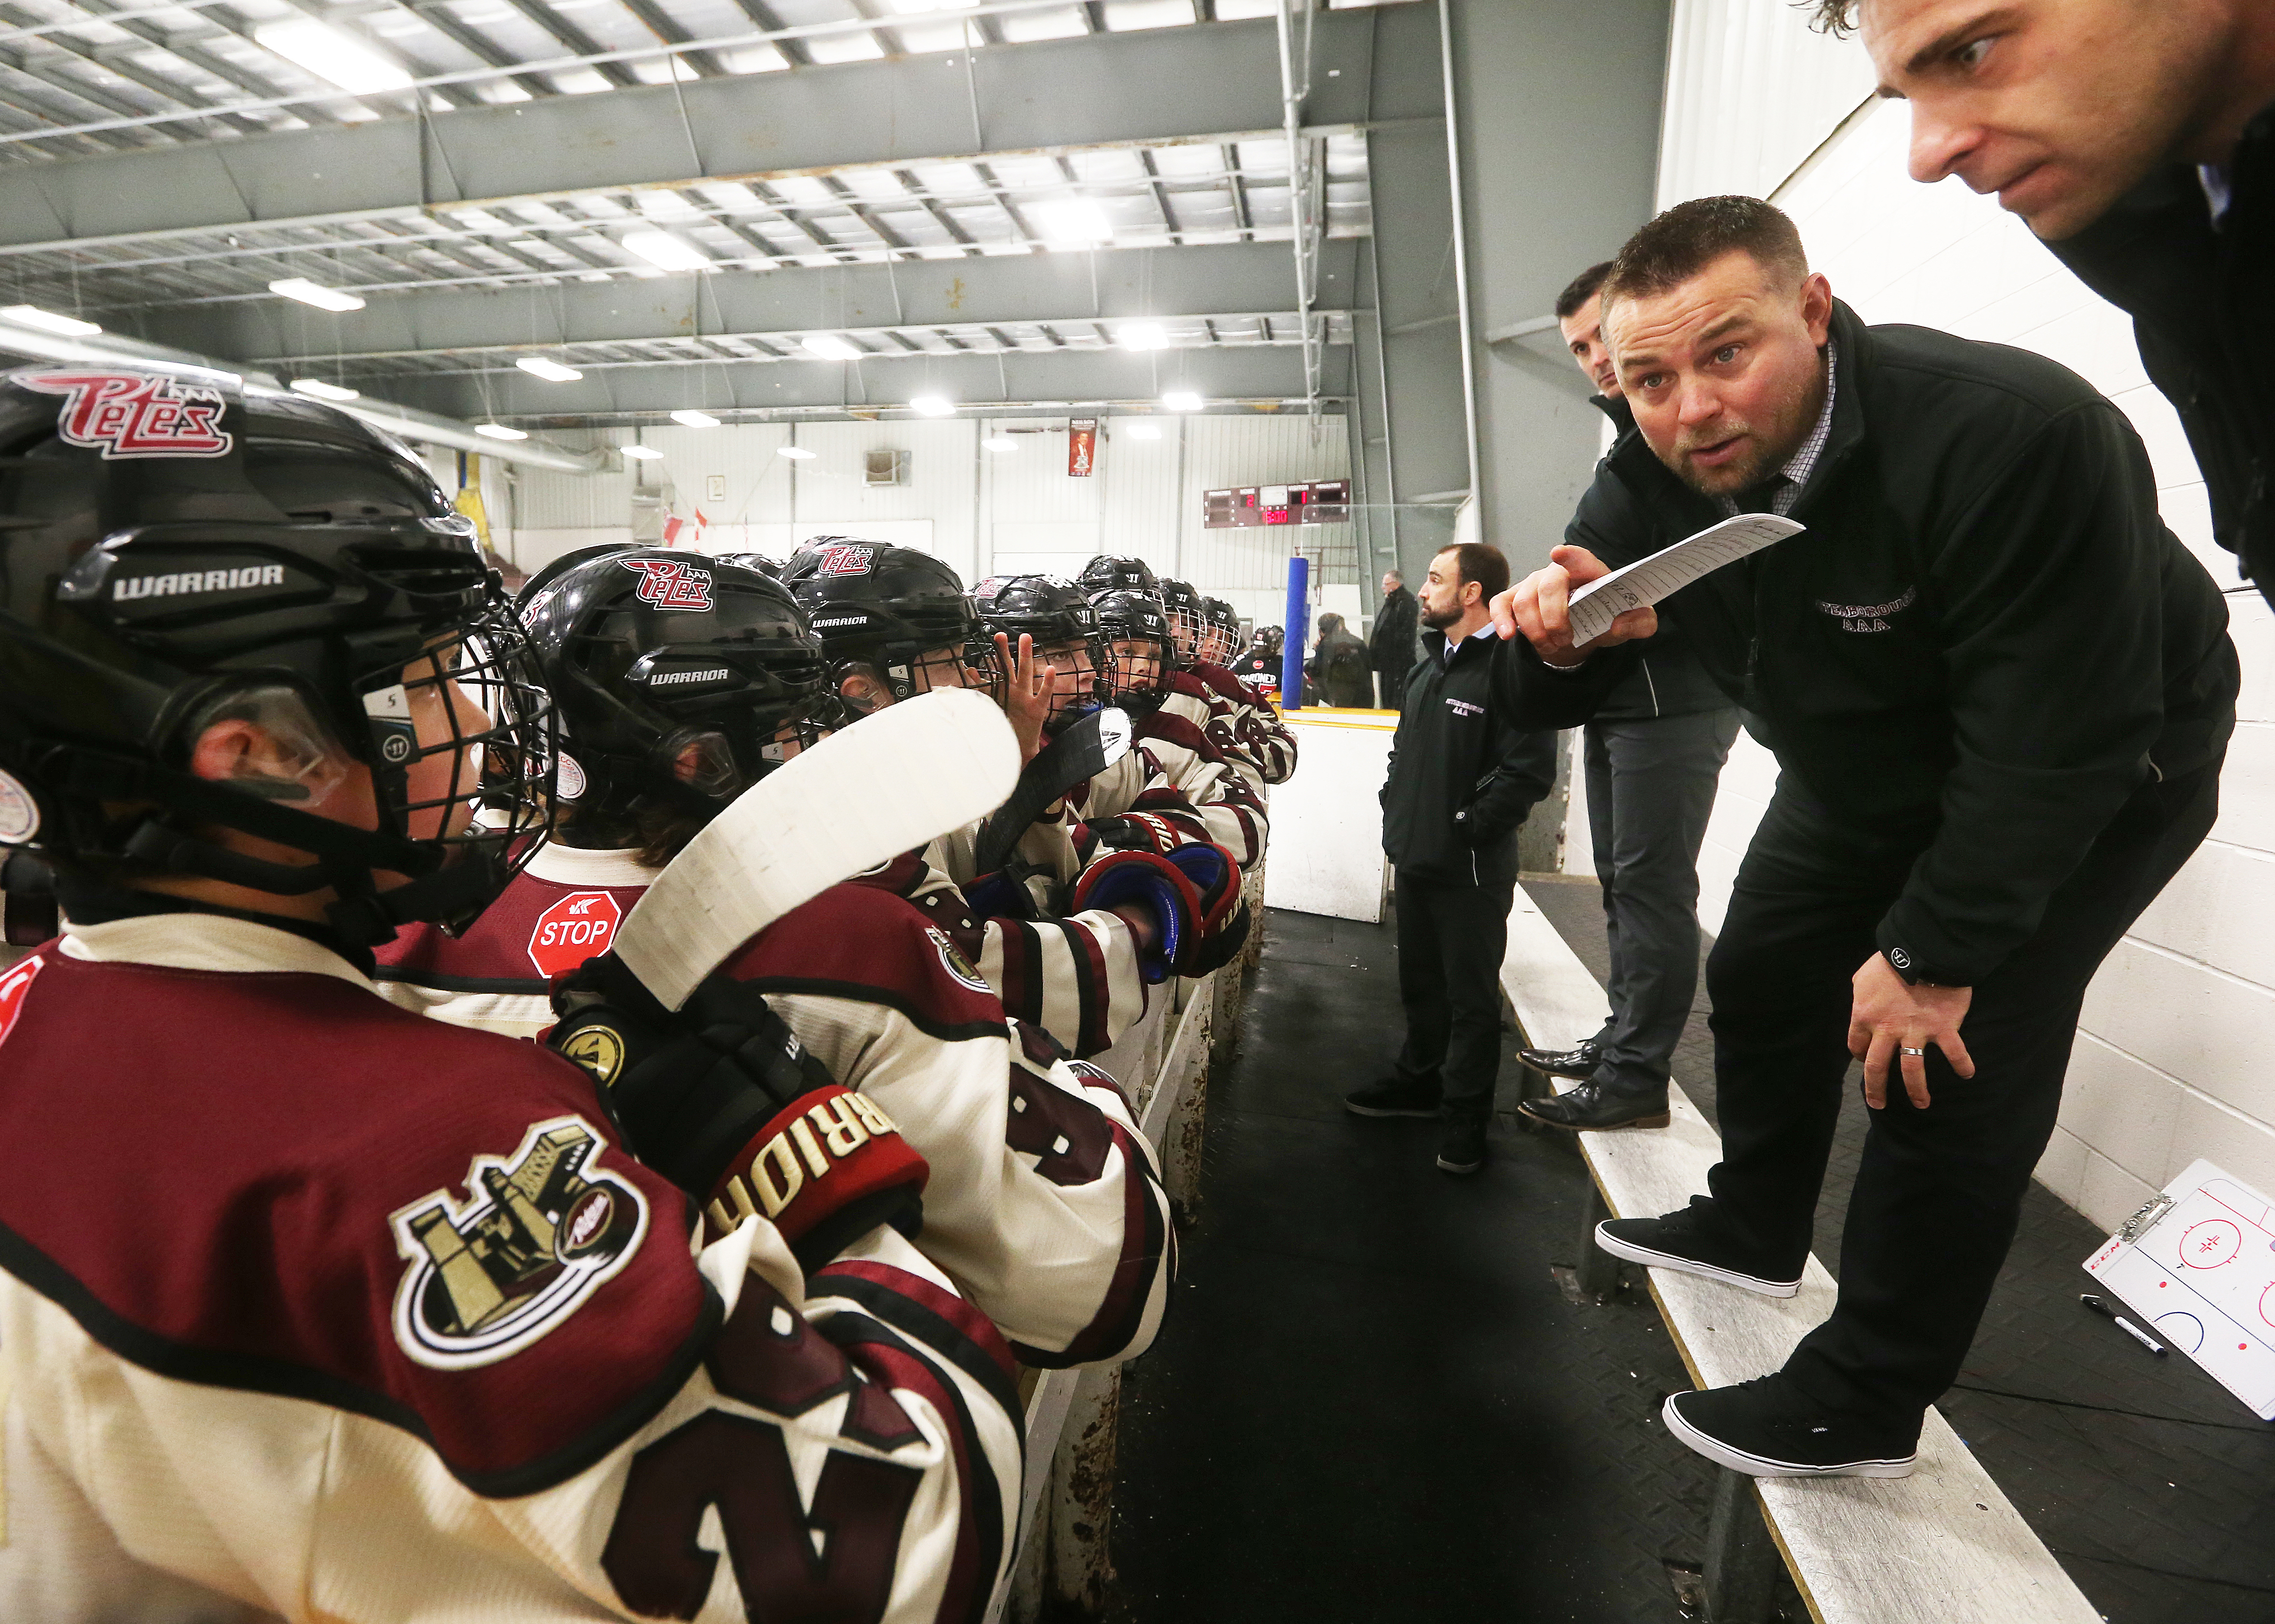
{"x": 2169, "y": 1064}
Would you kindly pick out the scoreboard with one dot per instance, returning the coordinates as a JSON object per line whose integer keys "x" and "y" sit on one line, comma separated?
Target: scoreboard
{"x": 1320, "y": 501}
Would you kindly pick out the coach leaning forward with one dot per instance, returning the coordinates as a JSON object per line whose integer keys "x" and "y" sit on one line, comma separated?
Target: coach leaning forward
{"x": 1999, "y": 692}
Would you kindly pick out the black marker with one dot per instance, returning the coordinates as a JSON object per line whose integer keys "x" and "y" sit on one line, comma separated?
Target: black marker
{"x": 2122, "y": 1324}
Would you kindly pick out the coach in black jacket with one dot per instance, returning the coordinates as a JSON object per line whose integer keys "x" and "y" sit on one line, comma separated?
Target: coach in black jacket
{"x": 1461, "y": 781}
{"x": 1999, "y": 692}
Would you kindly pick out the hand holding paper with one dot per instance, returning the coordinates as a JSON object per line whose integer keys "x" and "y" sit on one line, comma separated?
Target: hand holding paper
{"x": 1592, "y": 608}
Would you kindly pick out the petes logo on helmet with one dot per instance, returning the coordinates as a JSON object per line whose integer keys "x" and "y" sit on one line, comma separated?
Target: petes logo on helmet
{"x": 136, "y": 414}
{"x": 573, "y": 930}
{"x": 668, "y": 584}
{"x": 840, "y": 558}
{"x": 487, "y": 1279}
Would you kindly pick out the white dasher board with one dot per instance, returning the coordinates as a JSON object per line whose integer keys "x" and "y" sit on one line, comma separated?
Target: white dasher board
{"x": 2197, "y": 1263}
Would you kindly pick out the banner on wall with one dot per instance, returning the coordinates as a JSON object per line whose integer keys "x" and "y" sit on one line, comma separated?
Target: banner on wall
{"x": 1082, "y": 447}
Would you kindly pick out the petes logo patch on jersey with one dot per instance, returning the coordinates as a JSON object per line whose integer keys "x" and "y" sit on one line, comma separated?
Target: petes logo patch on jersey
{"x": 574, "y": 929}
{"x": 670, "y": 584}
{"x": 952, "y": 960}
{"x": 540, "y": 1233}
{"x": 841, "y": 559}
{"x": 135, "y": 414}
{"x": 13, "y": 985}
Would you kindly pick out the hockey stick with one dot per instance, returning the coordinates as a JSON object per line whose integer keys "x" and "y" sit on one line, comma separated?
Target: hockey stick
{"x": 862, "y": 797}
{"x": 1086, "y": 748}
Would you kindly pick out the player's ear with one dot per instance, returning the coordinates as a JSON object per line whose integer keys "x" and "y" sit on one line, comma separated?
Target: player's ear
{"x": 863, "y": 692}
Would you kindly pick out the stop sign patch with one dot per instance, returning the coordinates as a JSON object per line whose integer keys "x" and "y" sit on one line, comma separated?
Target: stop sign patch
{"x": 574, "y": 929}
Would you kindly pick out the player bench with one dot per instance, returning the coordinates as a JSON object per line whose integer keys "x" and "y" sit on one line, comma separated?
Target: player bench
{"x": 1942, "y": 1546}
{"x": 1065, "y": 1508}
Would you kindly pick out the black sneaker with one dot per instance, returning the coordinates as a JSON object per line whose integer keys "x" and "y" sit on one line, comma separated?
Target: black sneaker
{"x": 1462, "y": 1149}
{"x": 1592, "y": 1109}
{"x": 1391, "y": 1097}
{"x": 1679, "y": 1241}
{"x": 1579, "y": 1061}
{"x": 1768, "y": 1428}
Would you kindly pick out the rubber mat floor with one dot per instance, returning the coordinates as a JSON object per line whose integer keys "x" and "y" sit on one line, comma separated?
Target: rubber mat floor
{"x": 1372, "y": 1401}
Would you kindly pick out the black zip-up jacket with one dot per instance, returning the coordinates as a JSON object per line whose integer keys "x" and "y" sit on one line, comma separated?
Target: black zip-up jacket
{"x": 1985, "y": 641}
{"x": 1667, "y": 679}
{"x": 1391, "y": 646}
{"x": 2202, "y": 297}
{"x": 1460, "y": 779}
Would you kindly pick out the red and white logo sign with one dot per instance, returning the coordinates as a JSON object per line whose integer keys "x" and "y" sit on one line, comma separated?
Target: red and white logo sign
{"x": 580, "y": 926}
{"x": 669, "y": 585}
{"x": 839, "y": 558}
{"x": 13, "y": 985}
{"x": 126, "y": 414}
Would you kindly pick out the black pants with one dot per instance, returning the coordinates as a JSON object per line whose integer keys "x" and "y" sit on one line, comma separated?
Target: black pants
{"x": 1451, "y": 941}
{"x": 1940, "y": 1188}
{"x": 1393, "y": 686}
{"x": 1650, "y": 790}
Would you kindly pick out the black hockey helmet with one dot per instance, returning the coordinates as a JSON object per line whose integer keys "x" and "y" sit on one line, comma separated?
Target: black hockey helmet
{"x": 176, "y": 551}
{"x": 1116, "y": 573}
{"x": 771, "y": 568}
{"x": 649, "y": 653}
{"x": 1189, "y": 622}
{"x": 1054, "y": 613}
{"x": 899, "y": 611}
{"x": 1224, "y": 622}
{"x": 1140, "y": 649}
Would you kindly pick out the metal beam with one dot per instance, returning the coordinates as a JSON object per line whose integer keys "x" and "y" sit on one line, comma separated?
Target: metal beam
{"x": 1247, "y": 373}
{"x": 1109, "y": 285}
{"x": 1157, "y": 84}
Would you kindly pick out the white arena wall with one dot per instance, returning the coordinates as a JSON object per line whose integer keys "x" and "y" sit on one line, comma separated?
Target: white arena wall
{"x": 2171, "y": 1058}
{"x": 984, "y": 511}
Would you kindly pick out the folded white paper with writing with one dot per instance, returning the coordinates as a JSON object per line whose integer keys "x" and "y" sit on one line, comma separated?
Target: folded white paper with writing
{"x": 1648, "y": 581}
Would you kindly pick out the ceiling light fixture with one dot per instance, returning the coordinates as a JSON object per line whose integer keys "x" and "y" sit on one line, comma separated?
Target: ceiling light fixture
{"x": 796, "y": 453}
{"x": 932, "y": 406}
{"x": 1142, "y": 431}
{"x": 499, "y": 431}
{"x": 48, "y": 321}
{"x": 331, "y": 56}
{"x": 1142, "y": 335}
{"x": 322, "y": 391}
{"x": 1001, "y": 443}
{"x": 310, "y": 293}
{"x": 694, "y": 418}
{"x": 1181, "y": 400}
{"x": 1076, "y": 220}
{"x": 640, "y": 453}
{"x": 665, "y": 251}
{"x": 551, "y": 371}
{"x": 829, "y": 347}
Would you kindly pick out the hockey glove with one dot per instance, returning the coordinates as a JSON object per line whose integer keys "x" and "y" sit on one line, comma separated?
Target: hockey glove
{"x": 1000, "y": 895}
{"x": 1151, "y": 882}
{"x": 722, "y": 1098}
{"x": 1133, "y": 832}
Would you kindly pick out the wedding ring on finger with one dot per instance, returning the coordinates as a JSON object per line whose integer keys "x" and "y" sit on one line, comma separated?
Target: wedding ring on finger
{"x": 1901, "y": 1049}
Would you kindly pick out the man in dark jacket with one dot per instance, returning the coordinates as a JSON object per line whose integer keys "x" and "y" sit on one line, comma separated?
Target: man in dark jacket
{"x": 1390, "y": 648}
{"x": 1653, "y": 754}
{"x": 1338, "y": 665}
{"x": 1461, "y": 781}
{"x": 1999, "y": 692}
{"x": 2138, "y": 141}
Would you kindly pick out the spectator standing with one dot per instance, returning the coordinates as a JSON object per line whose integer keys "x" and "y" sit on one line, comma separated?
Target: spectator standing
{"x": 1653, "y": 751}
{"x": 1999, "y": 692}
{"x": 1339, "y": 665}
{"x": 1461, "y": 780}
{"x": 2138, "y": 142}
{"x": 1390, "y": 650}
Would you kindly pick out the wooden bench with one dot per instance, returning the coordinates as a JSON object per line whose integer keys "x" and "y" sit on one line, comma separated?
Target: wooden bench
{"x": 1942, "y": 1546}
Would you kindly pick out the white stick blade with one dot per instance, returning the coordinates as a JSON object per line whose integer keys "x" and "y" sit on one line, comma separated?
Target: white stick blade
{"x": 886, "y": 784}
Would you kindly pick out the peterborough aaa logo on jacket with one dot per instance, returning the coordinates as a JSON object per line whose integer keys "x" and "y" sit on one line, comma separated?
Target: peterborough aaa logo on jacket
{"x": 540, "y": 1232}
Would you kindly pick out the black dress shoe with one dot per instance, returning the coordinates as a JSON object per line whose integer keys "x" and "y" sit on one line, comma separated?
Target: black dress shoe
{"x": 1768, "y": 1428}
{"x": 1579, "y": 1061}
{"x": 1683, "y": 1240}
{"x": 1591, "y": 1108}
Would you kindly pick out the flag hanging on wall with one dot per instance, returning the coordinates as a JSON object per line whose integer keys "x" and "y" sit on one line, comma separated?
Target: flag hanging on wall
{"x": 1082, "y": 447}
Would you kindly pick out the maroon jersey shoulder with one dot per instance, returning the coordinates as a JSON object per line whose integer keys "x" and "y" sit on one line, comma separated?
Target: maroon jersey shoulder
{"x": 1221, "y": 682}
{"x": 537, "y": 929}
{"x": 280, "y": 1183}
{"x": 861, "y": 939}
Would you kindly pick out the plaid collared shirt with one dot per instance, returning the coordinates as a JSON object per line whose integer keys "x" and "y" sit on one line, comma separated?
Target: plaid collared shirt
{"x": 1795, "y": 474}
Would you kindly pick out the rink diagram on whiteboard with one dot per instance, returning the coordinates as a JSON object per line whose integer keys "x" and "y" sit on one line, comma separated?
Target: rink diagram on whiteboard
{"x": 2197, "y": 1266}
